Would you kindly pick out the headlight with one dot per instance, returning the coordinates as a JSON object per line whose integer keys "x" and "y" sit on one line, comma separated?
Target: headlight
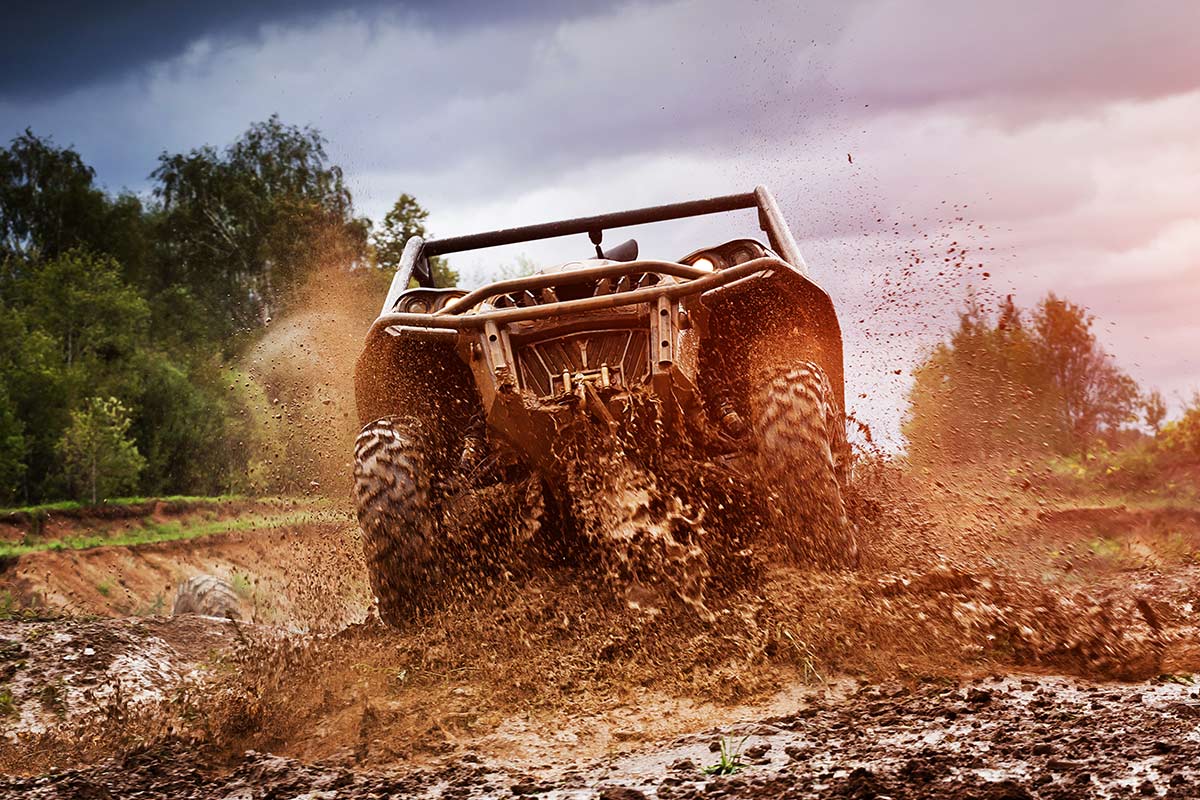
{"x": 710, "y": 261}
{"x": 743, "y": 254}
{"x": 426, "y": 301}
{"x": 415, "y": 304}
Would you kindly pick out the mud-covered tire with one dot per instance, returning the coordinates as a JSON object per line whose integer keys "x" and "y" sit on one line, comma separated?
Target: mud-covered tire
{"x": 392, "y": 494}
{"x": 803, "y": 461}
{"x": 208, "y": 596}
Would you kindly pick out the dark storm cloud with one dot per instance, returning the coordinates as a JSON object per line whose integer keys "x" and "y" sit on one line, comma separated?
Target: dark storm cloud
{"x": 49, "y": 48}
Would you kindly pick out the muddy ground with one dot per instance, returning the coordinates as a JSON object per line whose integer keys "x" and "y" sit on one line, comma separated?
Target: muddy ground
{"x": 1000, "y": 738}
{"x": 999, "y": 642}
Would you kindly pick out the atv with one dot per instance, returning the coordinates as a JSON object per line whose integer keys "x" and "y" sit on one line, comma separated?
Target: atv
{"x": 494, "y": 397}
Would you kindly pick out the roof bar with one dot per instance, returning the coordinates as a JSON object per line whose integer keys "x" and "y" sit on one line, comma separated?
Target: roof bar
{"x": 599, "y": 222}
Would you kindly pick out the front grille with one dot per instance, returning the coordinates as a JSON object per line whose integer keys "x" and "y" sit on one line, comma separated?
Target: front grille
{"x": 623, "y": 351}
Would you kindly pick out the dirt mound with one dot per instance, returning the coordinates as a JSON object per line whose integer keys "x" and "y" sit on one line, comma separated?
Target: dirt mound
{"x": 44, "y": 524}
{"x": 82, "y": 685}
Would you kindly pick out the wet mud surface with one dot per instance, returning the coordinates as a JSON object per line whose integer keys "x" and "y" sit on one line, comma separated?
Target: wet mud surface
{"x": 992, "y": 648}
{"x": 998, "y": 737}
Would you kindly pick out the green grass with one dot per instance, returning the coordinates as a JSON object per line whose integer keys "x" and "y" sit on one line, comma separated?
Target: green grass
{"x": 74, "y": 505}
{"x": 730, "y": 760}
{"x": 1105, "y": 547}
{"x": 8, "y": 706}
{"x": 153, "y": 532}
{"x": 104, "y": 587}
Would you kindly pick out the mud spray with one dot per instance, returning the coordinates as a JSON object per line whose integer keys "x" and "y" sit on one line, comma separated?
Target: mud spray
{"x": 681, "y": 624}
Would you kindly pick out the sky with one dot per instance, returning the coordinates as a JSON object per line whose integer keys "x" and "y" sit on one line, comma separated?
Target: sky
{"x": 914, "y": 145}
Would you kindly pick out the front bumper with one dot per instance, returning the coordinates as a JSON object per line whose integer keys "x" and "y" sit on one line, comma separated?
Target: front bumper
{"x": 463, "y": 315}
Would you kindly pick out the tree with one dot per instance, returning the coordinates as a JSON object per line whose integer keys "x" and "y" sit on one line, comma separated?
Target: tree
{"x": 1010, "y": 387}
{"x": 243, "y": 229}
{"x": 1096, "y": 396}
{"x": 1181, "y": 437}
{"x": 81, "y": 300}
{"x": 50, "y": 205}
{"x": 1154, "y": 409}
{"x": 39, "y": 392}
{"x": 99, "y": 458}
{"x": 981, "y": 394}
{"x": 405, "y": 220}
{"x": 12, "y": 450}
{"x": 47, "y": 201}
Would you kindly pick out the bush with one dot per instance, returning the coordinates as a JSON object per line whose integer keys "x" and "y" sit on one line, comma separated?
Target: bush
{"x": 99, "y": 458}
{"x": 1181, "y": 438}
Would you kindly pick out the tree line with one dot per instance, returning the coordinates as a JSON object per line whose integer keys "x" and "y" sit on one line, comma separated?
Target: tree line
{"x": 123, "y": 316}
{"x": 1016, "y": 384}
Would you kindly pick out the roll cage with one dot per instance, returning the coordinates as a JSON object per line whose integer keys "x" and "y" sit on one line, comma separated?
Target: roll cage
{"x": 414, "y": 260}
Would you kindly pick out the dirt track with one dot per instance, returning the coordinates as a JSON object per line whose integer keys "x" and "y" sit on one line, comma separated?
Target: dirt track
{"x": 930, "y": 672}
{"x": 1001, "y": 738}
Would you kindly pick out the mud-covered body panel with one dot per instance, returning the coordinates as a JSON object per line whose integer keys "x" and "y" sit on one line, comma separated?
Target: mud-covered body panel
{"x": 693, "y": 344}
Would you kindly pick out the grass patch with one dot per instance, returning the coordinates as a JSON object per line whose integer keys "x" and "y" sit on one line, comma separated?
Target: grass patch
{"x": 12, "y": 608}
{"x": 74, "y": 505}
{"x": 1180, "y": 678}
{"x": 104, "y": 587}
{"x": 168, "y": 532}
{"x": 1105, "y": 547}
{"x": 730, "y": 760}
{"x": 8, "y": 705}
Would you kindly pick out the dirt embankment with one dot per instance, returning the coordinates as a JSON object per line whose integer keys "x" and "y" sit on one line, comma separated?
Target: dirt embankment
{"x": 302, "y": 577}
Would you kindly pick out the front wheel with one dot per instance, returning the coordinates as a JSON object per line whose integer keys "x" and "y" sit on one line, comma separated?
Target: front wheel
{"x": 803, "y": 460}
{"x": 428, "y": 534}
{"x": 392, "y": 459}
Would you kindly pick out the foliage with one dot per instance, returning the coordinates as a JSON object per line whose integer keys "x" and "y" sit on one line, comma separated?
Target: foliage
{"x": 1005, "y": 387}
{"x": 195, "y": 425}
{"x": 98, "y": 456}
{"x": 522, "y": 266}
{"x": 405, "y": 220}
{"x": 81, "y": 300}
{"x": 153, "y": 532}
{"x": 152, "y": 304}
{"x": 247, "y": 226}
{"x": 1181, "y": 438}
{"x": 1154, "y": 409}
{"x": 47, "y": 201}
{"x": 12, "y": 449}
{"x": 50, "y": 205}
{"x": 730, "y": 761}
{"x": 1094, "y": 395}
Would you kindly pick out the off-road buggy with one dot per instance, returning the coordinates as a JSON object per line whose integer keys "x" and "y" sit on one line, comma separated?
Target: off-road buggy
{"x": 480, "y": 408}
